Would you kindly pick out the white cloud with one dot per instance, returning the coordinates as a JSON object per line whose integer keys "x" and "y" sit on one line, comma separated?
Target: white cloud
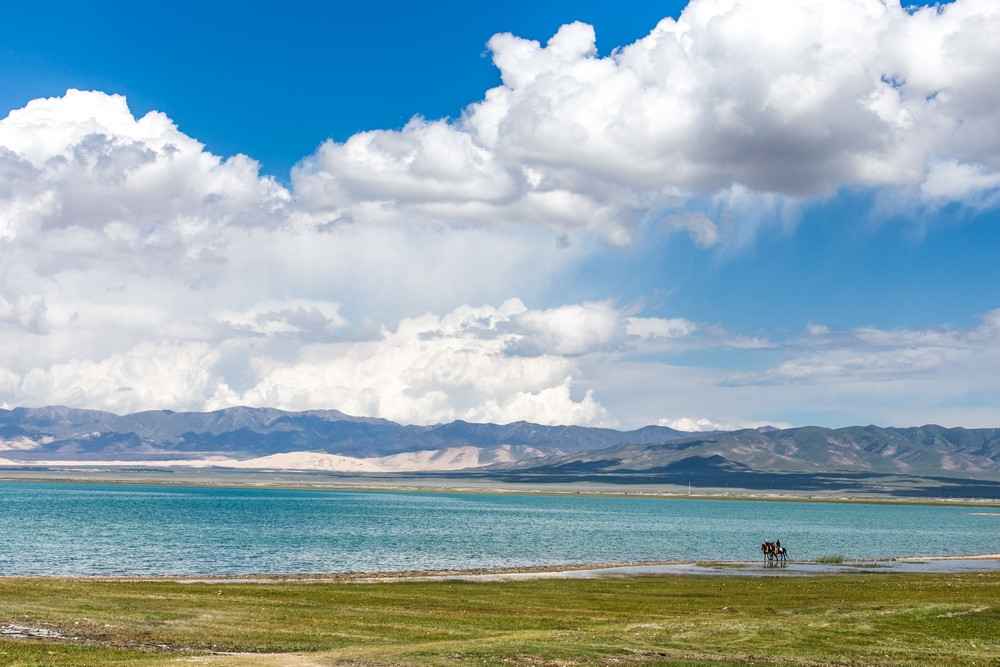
{"x": 733, "y": 101}
{"x": 121, "y": 183}
{"x": 867, "y": 355}
{"x": 950, "y": 181}
{"x": 893, "y": 377}
{"x": 781, "y": 100}
{"x": 573, "y": 329}
{"x": 486, "y": 363}
{"x": 169, "y": 376}
{"x": 138, "y": 270}
{"x": 648, "y": 328}
{"x": 696, "y": 425}
{"x": 703, "y": 230}
{"x": 434, "y": 369}
{"x": 296, "y": 316}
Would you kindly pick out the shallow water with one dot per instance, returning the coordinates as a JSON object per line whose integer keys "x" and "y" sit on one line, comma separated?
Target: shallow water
{"x": 91, "y": 529}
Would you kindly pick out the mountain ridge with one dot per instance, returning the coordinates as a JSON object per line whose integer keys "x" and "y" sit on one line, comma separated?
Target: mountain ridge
{"x": 54, "y": 432}
{"x": 329, "y": 440}
{"x": 924, "y": 450}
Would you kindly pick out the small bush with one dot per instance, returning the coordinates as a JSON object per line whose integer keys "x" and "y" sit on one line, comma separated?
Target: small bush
{"x": 831, "y": 559}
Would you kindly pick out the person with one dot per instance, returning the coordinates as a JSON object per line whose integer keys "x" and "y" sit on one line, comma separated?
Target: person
{"x": 777, "y": 544}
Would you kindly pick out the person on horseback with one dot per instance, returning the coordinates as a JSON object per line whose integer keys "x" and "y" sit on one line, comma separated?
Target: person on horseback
{"x": 773, "y": 551}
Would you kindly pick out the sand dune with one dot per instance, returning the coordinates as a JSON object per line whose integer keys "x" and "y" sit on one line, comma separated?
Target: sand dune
{"x": 455, "y": 458}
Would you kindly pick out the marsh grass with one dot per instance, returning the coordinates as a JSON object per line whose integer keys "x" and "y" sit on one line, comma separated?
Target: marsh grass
{"x": 884, "y": 618}
{"x": 831, "y": 559}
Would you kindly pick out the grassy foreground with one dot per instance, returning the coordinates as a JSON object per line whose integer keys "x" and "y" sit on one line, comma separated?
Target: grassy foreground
{"x": 847, "y": 619}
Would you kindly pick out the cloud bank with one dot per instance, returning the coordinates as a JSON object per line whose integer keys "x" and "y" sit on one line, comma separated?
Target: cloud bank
{"x": 790, "y": 99}
{"x": 139, "y": 271}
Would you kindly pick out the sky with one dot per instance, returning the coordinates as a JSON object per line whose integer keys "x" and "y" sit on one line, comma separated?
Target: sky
{"x": 704, "y": 215}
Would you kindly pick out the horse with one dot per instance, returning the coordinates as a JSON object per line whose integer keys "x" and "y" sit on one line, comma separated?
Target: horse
{"x": 773, "y": 552}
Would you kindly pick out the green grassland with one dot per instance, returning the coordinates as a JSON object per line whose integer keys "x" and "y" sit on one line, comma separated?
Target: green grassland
{"x": 843, "y": 619}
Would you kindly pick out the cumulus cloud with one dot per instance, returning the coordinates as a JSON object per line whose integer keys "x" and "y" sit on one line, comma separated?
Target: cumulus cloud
{"x": 572, "y": 330}
{"x": 167, "y": 375}
{"x": 87, "y": 182}
{"x": 488, "y": 363}
{"x": 733, "y": 100}
{"x": 139, "y": 270}
{"x": 784, "y": 100}
{"x": 434, "y": 369}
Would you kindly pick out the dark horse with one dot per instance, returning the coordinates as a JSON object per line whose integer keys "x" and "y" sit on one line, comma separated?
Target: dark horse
{"x": 773, "y": 553}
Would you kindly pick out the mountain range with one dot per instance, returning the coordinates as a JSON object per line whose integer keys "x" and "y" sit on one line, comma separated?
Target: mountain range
{"x": 918, "y": 459}
{"x": 240, "y": 434}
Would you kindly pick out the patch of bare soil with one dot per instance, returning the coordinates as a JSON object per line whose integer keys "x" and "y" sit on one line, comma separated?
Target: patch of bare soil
{"x": 49, "y": 633}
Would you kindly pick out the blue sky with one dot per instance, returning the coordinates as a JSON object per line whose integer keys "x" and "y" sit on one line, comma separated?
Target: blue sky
{"x": 750, "y": 212}
{"x": 275, "y": 82}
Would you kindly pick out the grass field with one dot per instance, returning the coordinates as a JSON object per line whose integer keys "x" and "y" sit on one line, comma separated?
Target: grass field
{"x": 844, "y": 619}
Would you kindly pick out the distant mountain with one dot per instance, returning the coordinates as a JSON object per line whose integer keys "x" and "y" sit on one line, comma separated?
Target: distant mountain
{"x": 926, "y": 461}
{"x": 925, "y": 450}
{"x": 64, "y": 434}
{"x": 912, "y": 461}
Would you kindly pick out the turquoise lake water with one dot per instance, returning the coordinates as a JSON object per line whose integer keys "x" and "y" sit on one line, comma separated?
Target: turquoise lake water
{"x": 90, "y": 529}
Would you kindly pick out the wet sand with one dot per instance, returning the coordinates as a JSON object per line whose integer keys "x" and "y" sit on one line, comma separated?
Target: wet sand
{"x": 935, "y": 564}
{"x": 756, "y": 568}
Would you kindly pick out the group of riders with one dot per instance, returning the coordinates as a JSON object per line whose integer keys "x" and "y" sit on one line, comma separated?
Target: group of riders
{"x": 773, "y": 551}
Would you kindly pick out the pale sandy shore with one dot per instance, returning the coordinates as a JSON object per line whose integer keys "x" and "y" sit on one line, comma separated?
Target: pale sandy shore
{"x": 935, "y": 564}
{"x": 924, "y": 564}
{"x": 915, "y": 559}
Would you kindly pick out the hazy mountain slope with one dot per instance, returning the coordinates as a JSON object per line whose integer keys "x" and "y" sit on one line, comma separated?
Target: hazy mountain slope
{"x": 925, "y": 450}
{"x": 57, "y": 433}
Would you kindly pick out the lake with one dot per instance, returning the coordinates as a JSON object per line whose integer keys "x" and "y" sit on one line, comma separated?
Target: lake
{"x": 117, "y": 529}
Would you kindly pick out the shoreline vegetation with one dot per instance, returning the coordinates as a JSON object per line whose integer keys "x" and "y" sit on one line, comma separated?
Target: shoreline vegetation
{"x": 854, "y": 617}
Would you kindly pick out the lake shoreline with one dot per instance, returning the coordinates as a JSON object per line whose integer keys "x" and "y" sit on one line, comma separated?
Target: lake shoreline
{"x": 293, "y": 480}
{"x": 925, "y": 564}
{"x": 257, "y": 533}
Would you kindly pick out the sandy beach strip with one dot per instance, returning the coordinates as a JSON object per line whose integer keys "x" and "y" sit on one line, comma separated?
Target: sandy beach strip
{"x": 931, "y": 564}
{"x": 915, "y": 559}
